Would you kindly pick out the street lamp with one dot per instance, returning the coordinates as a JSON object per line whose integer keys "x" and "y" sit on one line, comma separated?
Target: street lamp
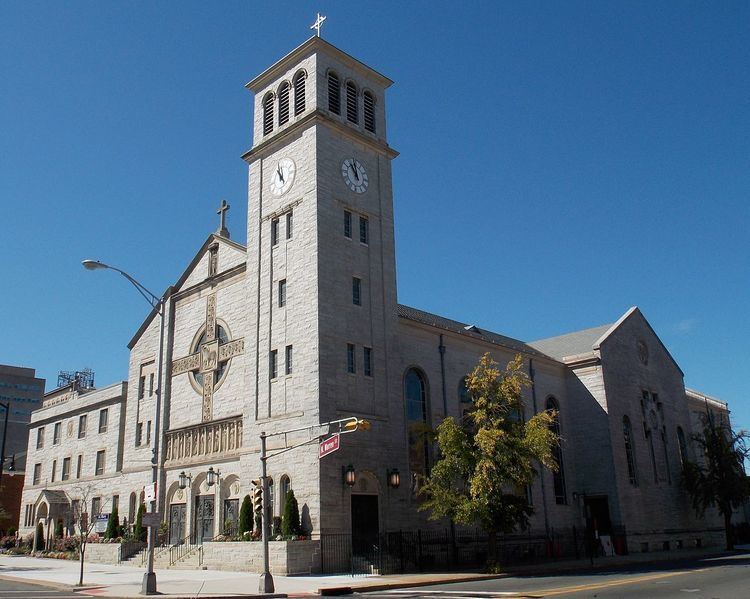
{"x": 157, "y": 303}
{"x": 394, "y": 478}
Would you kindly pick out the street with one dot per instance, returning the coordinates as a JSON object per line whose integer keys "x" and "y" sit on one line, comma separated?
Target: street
{"x": 714, "y": 578}
{"x": 10, "y": 589}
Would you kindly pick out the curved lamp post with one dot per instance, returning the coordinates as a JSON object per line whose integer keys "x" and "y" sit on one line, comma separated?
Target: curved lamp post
{"x": 149, "y": 577}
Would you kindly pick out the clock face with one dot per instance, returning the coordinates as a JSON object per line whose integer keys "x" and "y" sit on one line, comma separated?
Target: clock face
{"x": 354, "y": 175}
{"x": 282, "y": 176}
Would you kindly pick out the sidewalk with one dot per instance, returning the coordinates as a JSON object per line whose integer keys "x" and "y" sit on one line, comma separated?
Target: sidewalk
{"x": 125, "y": 581}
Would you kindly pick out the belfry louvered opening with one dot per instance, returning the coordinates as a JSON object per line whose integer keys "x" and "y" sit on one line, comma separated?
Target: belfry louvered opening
{"x": 268, "y": 114}
{"x": 351, "y": 103}
{"x": 284, "y": 103}
{"x": 334, "y": 93}
{"x": 299, "y": 93}
{"x": 369, "y": 111}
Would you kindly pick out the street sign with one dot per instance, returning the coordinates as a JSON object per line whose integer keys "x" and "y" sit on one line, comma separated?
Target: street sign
{"x": 149, "y": 492}
{"x": 328, "y": 445}
{"x": 152, "y": 519}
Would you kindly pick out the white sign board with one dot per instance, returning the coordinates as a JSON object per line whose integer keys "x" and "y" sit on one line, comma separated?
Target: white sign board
{"x": 149, "y": 492}
{"x": 101, "y": 523}
{"x": 607, "y": 546}
{"x": 328, "y": 445}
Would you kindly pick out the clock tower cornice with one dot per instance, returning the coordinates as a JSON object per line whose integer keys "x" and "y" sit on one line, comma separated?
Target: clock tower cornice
{"x": 310, "y": 47}
{"x": 274, "y": 143}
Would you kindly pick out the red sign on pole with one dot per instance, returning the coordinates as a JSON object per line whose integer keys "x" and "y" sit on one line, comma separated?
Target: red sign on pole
{"x": 329, "y": 445}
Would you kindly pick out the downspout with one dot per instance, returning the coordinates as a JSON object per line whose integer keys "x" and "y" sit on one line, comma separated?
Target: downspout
{"x": 541, "y": 470}
{"x": 441, "y": 349}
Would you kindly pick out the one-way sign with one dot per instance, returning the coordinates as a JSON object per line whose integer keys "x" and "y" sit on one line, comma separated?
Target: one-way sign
{"x": 328, "y": 445}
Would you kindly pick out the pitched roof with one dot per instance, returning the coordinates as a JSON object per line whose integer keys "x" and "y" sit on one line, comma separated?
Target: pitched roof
{"x": 54, "y": 496}
{"x": 571, "y": 344}
{"x": 468, "y": 330}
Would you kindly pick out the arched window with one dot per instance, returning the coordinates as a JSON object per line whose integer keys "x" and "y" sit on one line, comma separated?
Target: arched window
{"x": 284, "y": 103}
{"x": 415, "y": 392}
{"x": 352, "y": 114}
{"x": 284, "y": 487}
{"x": 299, "y": 93}
{"x": 682, "y": 446}
{"x": 131, "y": 509}
{"x": 558, "y": 478}
{"x": 334, "y": 93}
{"x": 369, "y": 111}
{"x": 268, "y": 113}
{"x": 627, "y": 434}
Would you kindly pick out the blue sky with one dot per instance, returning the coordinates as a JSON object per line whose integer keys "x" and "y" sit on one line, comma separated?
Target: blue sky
{"x": 560, "y": 162}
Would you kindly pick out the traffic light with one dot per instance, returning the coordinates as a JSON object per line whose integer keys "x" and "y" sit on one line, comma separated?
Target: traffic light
{"x": 257, "y": 497}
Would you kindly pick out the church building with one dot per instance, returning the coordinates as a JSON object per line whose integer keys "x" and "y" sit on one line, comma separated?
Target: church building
{"x": 303, "y": 326}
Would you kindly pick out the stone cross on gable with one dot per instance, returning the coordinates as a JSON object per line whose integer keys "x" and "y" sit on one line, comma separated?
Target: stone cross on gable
{"x": 222, "y": 212}
{"x": 208, "y": 357}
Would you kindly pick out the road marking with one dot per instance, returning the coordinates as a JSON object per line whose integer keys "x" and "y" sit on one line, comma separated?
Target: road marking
{"x": 690, "y": 590}
{"x": 604, "y": 585}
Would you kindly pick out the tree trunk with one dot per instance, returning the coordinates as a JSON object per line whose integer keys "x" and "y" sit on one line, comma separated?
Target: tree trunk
{"x": 81, "y": 554}
{"x": 728, "y": 529}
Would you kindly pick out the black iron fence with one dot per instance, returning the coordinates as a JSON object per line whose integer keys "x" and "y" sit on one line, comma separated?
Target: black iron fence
{"x": 445, "y": 550}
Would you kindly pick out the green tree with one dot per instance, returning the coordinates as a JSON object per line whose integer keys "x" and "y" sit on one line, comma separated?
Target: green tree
{"x": 719, "y": 478}
{"x": 246, "y": 515}
{"x": 290, "y": 525}
{"x": 486, "y": 463}
{"x": 113, "y": 529}
{"x": 139, "y": 531}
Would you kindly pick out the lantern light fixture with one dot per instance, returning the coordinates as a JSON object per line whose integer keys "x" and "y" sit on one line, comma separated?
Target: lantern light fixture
{"x": 350, "y": 475}
{"x": 212, "y": 476}
{"x": 394, "y": 478}
{"x": 184, "y": 480}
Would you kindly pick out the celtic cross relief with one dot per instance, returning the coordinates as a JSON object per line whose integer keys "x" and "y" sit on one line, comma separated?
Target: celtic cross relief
{"x": 209, "y": 360}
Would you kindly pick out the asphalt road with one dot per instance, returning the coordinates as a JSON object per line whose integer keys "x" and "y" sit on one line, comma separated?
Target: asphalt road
{"x": 24, "y": 590}
{"x": 714, "y": 578}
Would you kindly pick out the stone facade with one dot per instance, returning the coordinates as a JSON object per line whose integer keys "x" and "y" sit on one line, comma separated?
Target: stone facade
{"x": 303, "y": 326}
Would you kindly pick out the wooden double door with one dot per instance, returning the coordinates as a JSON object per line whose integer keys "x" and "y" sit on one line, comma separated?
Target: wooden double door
{"x": 204, "y": 518}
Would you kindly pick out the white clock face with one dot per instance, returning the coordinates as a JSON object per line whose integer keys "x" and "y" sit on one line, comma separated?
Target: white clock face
{"x": 282, "y": 176}
{"x": 354, "y": 175}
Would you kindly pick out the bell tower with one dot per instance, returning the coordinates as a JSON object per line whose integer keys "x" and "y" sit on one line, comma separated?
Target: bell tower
{"x": 321, "y": 256}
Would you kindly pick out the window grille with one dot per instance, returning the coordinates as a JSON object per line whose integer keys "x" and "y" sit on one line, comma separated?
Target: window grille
{"x": 352, "y": 114}
{"x": 627, "y": 433}
{"x": 351, "y": 362}
{"x": 299, "y": 93}
{"x": 273, "y": 364}
{"x": 364, "y": 230}
{"x": 267, "y": 114}
{"x": 334, "y": 93}
{"x": 367, "y": 361}
{"x": 284, "y": 103}
{"x": 288, "y": 365}
{"x": 369, "y": 111}
{"x": 356, "y": 291}
{"x": 347, "y": 224}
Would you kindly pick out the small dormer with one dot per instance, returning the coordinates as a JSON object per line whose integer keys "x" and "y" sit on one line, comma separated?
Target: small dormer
{"x": 317, "y": 76}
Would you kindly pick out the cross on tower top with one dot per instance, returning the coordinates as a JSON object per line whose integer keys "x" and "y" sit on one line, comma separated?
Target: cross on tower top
{"x": 318, "y": 24}
{"x": 222, "y": 212}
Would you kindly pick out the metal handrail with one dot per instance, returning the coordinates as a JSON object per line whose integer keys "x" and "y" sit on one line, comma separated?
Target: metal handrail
{"x": 183, "y": 549}
{"x": 129, "y": 549}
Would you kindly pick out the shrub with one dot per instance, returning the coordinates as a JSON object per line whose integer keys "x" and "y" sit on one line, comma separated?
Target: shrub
{"x": 139, "y": 531}
{"x": 59, "y": 528}
{"x": 8, "y": 542}
{"x": 11, "y": 531}
{"x": 246, "y": 516}
{"x": 276, "y": 527}
{"x": 112, "y": 527}
{"x": 290, "y": 525}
